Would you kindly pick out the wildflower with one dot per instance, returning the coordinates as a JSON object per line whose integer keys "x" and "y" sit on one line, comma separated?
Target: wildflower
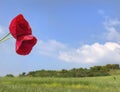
{"x": 21, "y": 31}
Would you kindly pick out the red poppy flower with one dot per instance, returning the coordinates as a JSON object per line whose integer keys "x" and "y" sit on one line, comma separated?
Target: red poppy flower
{"x": 21, "y": 31}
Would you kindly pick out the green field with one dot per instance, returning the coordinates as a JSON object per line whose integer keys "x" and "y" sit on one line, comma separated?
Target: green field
{"x": 88, "y": 84}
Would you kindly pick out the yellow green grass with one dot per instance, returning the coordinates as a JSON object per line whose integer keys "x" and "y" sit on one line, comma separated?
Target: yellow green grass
{"x": 88, "y": 84}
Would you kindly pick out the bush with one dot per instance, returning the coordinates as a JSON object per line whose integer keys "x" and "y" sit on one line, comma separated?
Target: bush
{"x": 9, "y": 75}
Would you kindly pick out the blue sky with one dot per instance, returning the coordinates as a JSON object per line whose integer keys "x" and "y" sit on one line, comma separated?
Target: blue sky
{"x": 70, "y": 33}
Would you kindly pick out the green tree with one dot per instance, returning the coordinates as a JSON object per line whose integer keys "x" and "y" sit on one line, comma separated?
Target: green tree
{"x": 9, "y": 75}
{"x": 22, "y": 75}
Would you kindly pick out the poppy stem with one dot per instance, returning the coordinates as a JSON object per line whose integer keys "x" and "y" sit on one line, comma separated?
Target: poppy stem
{"x": 5, "y": 38}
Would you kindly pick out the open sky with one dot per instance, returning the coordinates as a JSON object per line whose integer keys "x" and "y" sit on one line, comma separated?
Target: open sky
{"x": 70, "y": 33}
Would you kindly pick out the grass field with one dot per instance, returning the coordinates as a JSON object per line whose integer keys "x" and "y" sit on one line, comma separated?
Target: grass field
{"x": 88, "y": 84}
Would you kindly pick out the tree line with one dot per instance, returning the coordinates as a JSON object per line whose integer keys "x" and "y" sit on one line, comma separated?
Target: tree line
{"x": 75, "y": 72}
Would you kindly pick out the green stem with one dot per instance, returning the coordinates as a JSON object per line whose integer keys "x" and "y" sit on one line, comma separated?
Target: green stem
{"x": 5, "y": 38}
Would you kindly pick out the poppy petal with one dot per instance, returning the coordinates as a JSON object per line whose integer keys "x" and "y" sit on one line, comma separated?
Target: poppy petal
{"x": 25, "y": 44}
{"x": 19, "y": 27}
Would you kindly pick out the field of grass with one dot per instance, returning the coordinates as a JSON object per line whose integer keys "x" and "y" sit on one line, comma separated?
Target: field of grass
{"x": 88, "y": 84}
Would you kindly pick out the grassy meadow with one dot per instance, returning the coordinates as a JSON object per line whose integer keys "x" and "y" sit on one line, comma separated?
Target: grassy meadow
{"x": 36, "y": 84}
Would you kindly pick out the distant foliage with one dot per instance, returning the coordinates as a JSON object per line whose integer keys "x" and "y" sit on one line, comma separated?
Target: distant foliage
{"x": 9, "y": 75}
{"x": 22, "y": 75}
{"x": 75, "y": 72}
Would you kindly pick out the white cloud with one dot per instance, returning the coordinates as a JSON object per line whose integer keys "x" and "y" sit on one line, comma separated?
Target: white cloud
{"x": 50, "y": 47}
{"x": 113, "y": 29}
{"x": 87, "y": 54}
{"x": 95, "y": 53}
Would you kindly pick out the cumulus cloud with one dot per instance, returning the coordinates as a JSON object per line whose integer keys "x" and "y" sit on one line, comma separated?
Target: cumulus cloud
{"x": 95, "y": 53}
{"x": 113, "y": 29}
{"x": 86, "y": 54}
{"x": 50, "y": 47}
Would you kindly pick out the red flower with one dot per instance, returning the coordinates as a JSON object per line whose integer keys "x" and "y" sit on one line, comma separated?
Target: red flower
{"x": 21, "y": 31}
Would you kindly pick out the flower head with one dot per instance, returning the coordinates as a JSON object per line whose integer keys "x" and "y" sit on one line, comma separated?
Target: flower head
{"x": 21, "y": 31}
